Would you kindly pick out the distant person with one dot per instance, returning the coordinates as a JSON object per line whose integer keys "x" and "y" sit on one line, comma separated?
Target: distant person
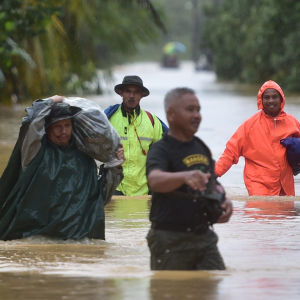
{"x": 49, "y": 187}
{"x": 180, "y": 172}
{"x": 138, "y": 129}
{"x": 267, "y": 171}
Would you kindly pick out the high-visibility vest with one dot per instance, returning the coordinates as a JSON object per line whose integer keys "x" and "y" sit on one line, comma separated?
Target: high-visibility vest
{"x": 135, "y": 137}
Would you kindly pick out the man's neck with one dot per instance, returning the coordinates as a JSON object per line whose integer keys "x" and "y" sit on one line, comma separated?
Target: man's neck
{"x": 130, "y": 111}
{"x": 271, "y": 115}
{"x": 181, "y": 136}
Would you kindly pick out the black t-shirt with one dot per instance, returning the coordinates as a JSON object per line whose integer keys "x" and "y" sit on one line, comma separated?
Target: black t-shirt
{"x": 172, "y": 155}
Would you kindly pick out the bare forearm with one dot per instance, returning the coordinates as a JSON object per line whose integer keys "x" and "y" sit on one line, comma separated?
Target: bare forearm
{"x": 164, "y": 182}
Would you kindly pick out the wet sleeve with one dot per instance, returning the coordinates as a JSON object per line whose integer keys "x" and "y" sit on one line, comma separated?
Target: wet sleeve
{"x": 232, "y": 152}
{"x": 157, "y": 158}
{"x": 112, "y": 178}
{"x": 33, "y": 130}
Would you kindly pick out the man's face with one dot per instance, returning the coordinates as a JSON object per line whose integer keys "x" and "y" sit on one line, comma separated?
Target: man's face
{"x": 132, "y": 95}
{"x": 186, "y": 115}
{"x": 60, "y": 132}
{"x": 271, "y": 101}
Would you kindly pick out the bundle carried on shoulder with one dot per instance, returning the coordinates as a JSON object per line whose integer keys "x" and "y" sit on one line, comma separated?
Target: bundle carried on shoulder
{"x": 93, "y": 133}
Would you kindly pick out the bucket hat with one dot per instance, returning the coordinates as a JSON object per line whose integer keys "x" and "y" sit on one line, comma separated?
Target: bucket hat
{"x": 61, "y": 111}
{"x": 132, "y": 80}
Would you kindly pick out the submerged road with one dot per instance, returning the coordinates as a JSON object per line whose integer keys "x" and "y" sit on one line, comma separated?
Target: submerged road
{"x": 260, "y": 244}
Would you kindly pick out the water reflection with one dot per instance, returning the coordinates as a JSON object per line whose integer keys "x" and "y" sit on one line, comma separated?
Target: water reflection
{"x": 271, "y": 209}
{"x": 181, "y": 285}
{"x": 175, "y": 287}
{"x": 37, "y": 287}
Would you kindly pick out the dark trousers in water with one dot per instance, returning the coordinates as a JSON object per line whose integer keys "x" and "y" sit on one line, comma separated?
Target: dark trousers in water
{"x": 172, "y": 250}
{"x": 118, "y": 193}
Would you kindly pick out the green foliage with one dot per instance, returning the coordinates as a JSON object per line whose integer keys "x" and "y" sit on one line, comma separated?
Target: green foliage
{"x": 56, "y": 46}
{"x": 20, "y": 20}
{"x": 254, "y": 41}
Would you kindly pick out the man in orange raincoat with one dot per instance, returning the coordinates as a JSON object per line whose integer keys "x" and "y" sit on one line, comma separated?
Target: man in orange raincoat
{"x": 266, "y": 171}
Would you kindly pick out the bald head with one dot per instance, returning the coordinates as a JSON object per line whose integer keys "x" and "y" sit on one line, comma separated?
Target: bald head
{"x": 175, "y": 95}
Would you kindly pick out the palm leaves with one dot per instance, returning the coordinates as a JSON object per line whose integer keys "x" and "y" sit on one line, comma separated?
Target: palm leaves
{"x": 61, "y": 43}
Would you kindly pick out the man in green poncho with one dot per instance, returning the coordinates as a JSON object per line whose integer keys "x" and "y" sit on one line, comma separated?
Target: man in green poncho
{"x": 50, "y": 187}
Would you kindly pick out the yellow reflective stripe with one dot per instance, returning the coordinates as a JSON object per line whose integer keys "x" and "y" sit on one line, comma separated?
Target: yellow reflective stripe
{"x": 146, "y": 139}
{"x": 124, "y": 138}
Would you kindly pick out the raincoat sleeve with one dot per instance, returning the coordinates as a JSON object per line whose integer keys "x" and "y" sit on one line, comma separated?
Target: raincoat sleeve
{"x": 232, "y": 152}
{"x": 32, "y": 130}
{"x": 110, "y": 178}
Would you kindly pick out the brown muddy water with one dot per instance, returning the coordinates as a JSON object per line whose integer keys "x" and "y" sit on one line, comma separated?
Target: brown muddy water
{"x": 260, "y": 244}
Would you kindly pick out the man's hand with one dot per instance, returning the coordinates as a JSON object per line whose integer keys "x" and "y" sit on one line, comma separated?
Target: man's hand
{"x": 228, "y": 208}
{"x": 120, "y": 153}
{"x": 197, "y": 180}
{"x": 57, "y": 98}
{"x": 165, "y": 182}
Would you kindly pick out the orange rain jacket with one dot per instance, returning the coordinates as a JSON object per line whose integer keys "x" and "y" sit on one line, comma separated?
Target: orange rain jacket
{"x": 266, "y": 171}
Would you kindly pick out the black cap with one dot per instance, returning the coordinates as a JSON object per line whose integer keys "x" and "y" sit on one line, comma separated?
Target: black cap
{"x": 132, "y": 80}
{"x": 61, "y": 111}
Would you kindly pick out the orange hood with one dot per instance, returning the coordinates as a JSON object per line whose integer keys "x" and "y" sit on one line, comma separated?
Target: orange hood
{"x": 269, "y": 85}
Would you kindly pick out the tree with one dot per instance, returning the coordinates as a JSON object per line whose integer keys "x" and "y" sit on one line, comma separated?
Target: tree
{"x": 20, "y": 21}
{"x": 254, "y": 41}
{"x": 56, "y": 46}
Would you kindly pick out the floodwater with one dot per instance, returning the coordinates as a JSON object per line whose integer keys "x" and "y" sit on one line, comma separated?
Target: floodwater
{"x": 260, "y": 244}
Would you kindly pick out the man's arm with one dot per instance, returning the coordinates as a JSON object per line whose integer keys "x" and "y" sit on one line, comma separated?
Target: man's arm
{"x": 164, "y": 182}
{"x": 161, "y": 180}
{"x": 113, "y": 177}
{"x": 232, "y": 152}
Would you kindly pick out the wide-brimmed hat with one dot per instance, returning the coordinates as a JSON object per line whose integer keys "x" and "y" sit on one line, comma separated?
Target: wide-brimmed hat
{"x": 132, "y": 80}
{"x": 61, "y": 111}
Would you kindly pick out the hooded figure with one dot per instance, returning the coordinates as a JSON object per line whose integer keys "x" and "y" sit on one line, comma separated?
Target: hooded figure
{"x": 49, "y": 186}
{"x": 267, "y": 171}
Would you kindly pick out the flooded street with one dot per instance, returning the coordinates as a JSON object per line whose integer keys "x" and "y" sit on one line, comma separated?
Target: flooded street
{"x": 260, "y": 245}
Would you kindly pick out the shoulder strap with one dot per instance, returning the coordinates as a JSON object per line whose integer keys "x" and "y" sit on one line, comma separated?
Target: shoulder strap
{"x": 150, "y": 117}
{"x": 165, "y": 128}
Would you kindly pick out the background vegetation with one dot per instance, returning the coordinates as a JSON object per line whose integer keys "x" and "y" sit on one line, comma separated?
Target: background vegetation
{"x": 56, "y": 46}
{"x": 255, "y": 40}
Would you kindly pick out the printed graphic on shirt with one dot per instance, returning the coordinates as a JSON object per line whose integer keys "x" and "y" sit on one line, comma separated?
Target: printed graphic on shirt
{"x": 200, "y": 168}
{"x": 195, "y": 159}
